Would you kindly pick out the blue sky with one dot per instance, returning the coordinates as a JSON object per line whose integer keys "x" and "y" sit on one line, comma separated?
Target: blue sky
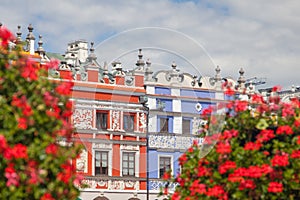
{"x": 263, "y": 37}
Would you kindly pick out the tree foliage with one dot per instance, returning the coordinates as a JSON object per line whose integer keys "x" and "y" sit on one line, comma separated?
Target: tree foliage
{"x": 35, "y": 146}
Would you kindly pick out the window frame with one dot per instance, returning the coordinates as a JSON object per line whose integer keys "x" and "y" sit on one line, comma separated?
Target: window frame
{"x": 130, "y": 118}
{"x": 165, "y": 128}
{"x": 160, "y": 174}
{"x": 101, "y": 152}
{"x": 189, "y": 127}
{"x": 99, "y": 124}
{"x": 133, "y": 154}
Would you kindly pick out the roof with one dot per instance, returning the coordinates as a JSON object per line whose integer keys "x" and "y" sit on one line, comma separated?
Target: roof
{"x": 55, "y": 56}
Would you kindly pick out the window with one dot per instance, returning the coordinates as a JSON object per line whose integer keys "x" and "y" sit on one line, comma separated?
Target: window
{"x": 101, "y": 120}
{"x": 164, "y": 125}
{"x": 128, "y": 122}
{"x": 128, "y": 164}
{"x": 101, "y": 163}
{"x": 164, "y": 165}
{"x": 186, "y": 126}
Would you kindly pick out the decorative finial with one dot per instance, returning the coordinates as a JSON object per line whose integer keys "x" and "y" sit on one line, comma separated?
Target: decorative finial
{"x": 148, "y": 62}
{"x": 174, "y": 65}
{"x": 241, "y": 79}
{"x": 30, "y": 35}
{"x": 19, "y": 34}
{"x": 40, "y": 43}
{"x": 218, "y": 76}
{"x": 92, "y": 55}
{"x": 140, "y": 61}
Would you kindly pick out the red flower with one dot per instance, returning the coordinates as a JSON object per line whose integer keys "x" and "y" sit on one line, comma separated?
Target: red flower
{"x": 64, "y": 88}
{"x": 207, "y": 111}
{"x": 3, "y": 143}
{"x": 229, "y": 91}
{"x": 223, "y": 148}
{"x": 252, "y": 146}
{"x": 295, "y": 154}
{"x": 228, "y": 134}
{"x": 215, "y": 191}
{"x": 284, "y": 129}
{"x": 27, "y": 111}
{"x": 227, "y": 165}
{"x": 275, "y": 187}
{"x": 11, "y": 175}
{"x": 5, "y": 36}
{"x": 51, "y": 149}
{"x": 298, "y": 139}
{"x": 67, "y": 173}
{"x": 265, "y": 135}
{"x": 202, "y": 171}
{"x": 182, "y": 159}
{"x": 247, "y": 184}
{"x": 22, "y": 123}
{"x": 297, "y": 123}
{"x": 287, "y": 110}
{"x": 276, "y": 88}
{"x": 197, "y": 188}
{"x": 233, "y": 178}
{"x": 166, "y": 176}
{"x": 241, "y": 106}
{"x": 256, "y": 98}
{"x": 53, "y": 64}
{"x": 175, "y": 196}
{"x": 280, "y": 160}
{"x": 30, "y": 70}
{"x": 47, "y": 196}
{"x": 20, "y": 151}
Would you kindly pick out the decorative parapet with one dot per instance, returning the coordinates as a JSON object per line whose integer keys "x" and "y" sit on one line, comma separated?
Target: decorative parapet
{"x": 172, "y": 141}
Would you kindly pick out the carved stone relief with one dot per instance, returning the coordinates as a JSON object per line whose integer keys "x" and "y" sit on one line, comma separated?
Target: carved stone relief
{"x": 81, "y": 162}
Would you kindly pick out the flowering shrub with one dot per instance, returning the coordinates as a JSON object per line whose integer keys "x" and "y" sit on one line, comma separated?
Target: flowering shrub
{"x": 257, "y": 155}
{"x": 34, "y": 112}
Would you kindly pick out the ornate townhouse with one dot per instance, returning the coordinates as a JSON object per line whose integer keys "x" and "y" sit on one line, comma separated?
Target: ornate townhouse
{"x": 134, "y": 124}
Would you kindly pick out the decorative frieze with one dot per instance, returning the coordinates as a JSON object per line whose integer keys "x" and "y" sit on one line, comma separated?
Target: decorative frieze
{"x": 158, "y": 185}
{"x": 112, "y": 184}
{"x": 101, "y": 146}
{"x": 142, "y": 121}
{"x": 83, "y": 118}
{"x": 172, "y": 141}
{"x": 129, "y": 147}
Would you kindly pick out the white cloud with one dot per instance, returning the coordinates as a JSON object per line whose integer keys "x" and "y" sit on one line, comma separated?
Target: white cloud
{"x": 260, "y": 36}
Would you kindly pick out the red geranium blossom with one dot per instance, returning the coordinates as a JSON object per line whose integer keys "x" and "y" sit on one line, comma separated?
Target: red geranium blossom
{"x": 275, "y": 187}
{"x": 284, "y": 129}
{"x": 22, "y": 123}
{"x": 47, "y": 196}
{"x": 295, "y": 154}
{"x": 280, "y": 160}
{"x": 247, "y": 184}
{"x": 197, "y": 188}
{"x": 252, "y": 146}
{"x": 215, "y": 191}
{"x": 227, "y": 165}
{"x": 265, "y": 135}
{"x": 223, "y": 148}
